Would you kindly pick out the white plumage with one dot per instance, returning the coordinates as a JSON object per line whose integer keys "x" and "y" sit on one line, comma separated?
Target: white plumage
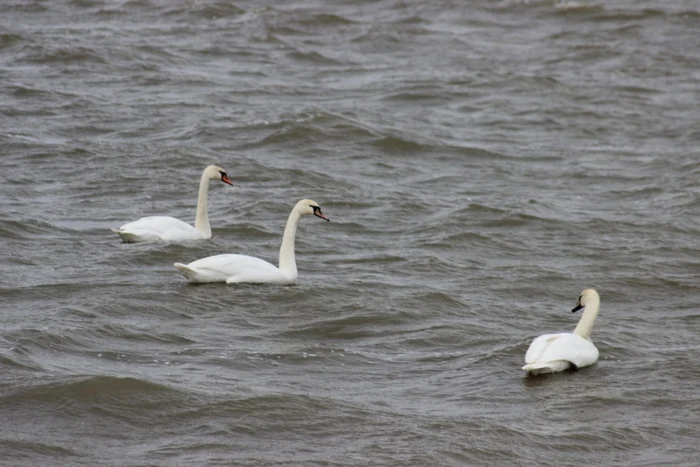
{"x": 551, "y": 353}
{"x": 170, "y": 229}
{"x": 234, "y": 269}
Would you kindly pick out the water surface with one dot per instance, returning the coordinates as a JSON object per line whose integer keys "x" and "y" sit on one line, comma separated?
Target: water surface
{"x": 481, "y": 163}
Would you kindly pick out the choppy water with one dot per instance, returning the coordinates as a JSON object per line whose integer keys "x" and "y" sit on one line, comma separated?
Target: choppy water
{"x": 481, "y": 162}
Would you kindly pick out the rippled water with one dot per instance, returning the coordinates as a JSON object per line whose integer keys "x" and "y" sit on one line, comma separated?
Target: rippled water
{"x": 481, "y": 162}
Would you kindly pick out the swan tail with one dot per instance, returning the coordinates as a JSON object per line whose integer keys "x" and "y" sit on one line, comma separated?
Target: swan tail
{"x": 126, "y": 236}
{"x": 189, "y": 273}
{"x": 547, "y": 367}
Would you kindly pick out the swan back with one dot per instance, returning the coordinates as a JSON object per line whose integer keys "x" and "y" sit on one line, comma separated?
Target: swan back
{"x": 563, "y": 346}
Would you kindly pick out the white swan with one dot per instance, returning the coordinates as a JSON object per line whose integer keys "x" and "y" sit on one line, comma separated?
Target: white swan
{"x": 169, "y": 229}
{"x": 234, "y": 269}
{"x": 558, "y": 352}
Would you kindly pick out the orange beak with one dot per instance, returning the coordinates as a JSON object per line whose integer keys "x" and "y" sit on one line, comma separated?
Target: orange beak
{"x": 225, "y": 179}
{"x": 318, "y": 213}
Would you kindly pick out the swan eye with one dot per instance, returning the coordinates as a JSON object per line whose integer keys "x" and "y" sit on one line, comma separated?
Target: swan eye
{"x": 316, "y": 209}
{"x": 223, "y": 174}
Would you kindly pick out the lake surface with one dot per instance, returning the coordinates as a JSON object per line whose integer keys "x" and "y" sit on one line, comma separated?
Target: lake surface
{"x": 481, "y": 163}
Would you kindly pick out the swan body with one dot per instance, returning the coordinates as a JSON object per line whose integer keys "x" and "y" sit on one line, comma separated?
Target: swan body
{"x": 159, "y": 228}
{"x": 236, "y": 269}
{"x": 551, "y": 353}
{"x": 170, "y": 229}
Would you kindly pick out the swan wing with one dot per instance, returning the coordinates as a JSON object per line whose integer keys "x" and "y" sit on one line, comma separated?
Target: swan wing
{"x": 538, "y": 346}
{"x": 564, "y": 346}
{"x": 159, "y": 228}
{"x": 233, "y": 269}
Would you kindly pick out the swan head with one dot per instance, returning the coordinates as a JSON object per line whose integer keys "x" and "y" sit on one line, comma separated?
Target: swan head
{"x": 586, "y": 297}
{"x": 214, "y": 172}
{"x": 307, "y": 207}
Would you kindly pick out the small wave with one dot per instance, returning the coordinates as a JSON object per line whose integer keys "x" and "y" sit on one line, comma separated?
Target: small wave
{"x": 354, "y": 326}
{"x": 27, "y": 228}
{"x": 313, "y": 57}
{"x": 443, "y": 238}
{"x": 142, "y": 4}
{"x": 36, "y": 338}
{"x": 67, "y": 55}
{"x": 315, "y": 127}
{"x": 417, "y": 97}
{"x": 267, "y": 408}
{"x": 17, "y": 450}
{"x": 31, "y": 7}
{"x": 90, "y": 389}
{"x": 309, "y": 355}
{"x": 687, "y": 14}
{"x": 246, "y": 230}
{"x": 513, "y": 220}
{"x": 289, "y": 131}
{"x": 478, "y": 208}
{"x": 210, "y": 11}
{"x": 401, "y": 144}
{"x": 7, "y": 40}
{"x": 325, "y": 19}
{"x": 601, "y": 13}
{"x": 128, "y": 334}
{"x": 372, "y": 258}
{"x": 15, "y": 362}
{"x": 576, "y": 6}
{"x": 286, "y": 23}
{"x": 635, "y": 90}
{"x": 85, "y": 3}
{"x": 21, "y": 91}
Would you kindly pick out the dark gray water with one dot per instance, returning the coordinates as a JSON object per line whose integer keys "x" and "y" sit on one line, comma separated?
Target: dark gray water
{"x": 482, "y": 163}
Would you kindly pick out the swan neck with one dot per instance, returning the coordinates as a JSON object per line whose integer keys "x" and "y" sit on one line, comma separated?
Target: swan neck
{"x": 287, "y": 261}
{"x": 585, "y": 324}
{"x": 201, "y": 222}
